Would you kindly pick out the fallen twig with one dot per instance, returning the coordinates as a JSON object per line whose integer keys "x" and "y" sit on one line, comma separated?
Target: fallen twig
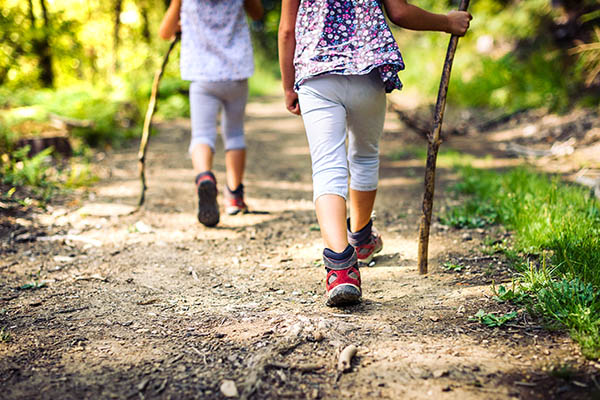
{"x": 91, "y": 277}
{"x": 9, "y": 298}
{"x": 301, "y": 367}
{"x": 162, "y": 386}
{"x": 537, "y": 327}
{"x": 482, "y": 258}
{"x": 260, "y": 362}
{"x": 418, "y": 125}
{"x": 70, "y": 310}
{"x": 69, "y": 123}
{"x": 147, "y": 302}
{"x": 345, "y": 359}
{"x": 73, "y": 238}
{"x": 527, "y": 384}
{"x": 196, "y": 350}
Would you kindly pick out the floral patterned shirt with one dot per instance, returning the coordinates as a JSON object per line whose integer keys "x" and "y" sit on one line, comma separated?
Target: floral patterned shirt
{"x": 346, "y": 37}
{"x": 215, "y": 41}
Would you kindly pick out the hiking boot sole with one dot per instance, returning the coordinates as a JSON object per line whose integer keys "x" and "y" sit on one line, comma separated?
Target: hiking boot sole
{"x": 236, "y": 210}
{"x": 344, "y": 294}
{"x": 208, "y": 209}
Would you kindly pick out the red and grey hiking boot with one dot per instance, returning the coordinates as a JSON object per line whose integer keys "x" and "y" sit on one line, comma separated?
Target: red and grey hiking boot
{"x": 367, "y": 242}
{"x": 208, "y": 208}
{"x": 234, "y": 201}
{"x": 343, "y": 277}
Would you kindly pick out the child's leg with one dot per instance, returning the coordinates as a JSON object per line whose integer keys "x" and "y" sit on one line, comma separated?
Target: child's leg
{"x": 361, "y": 208}
{"x": 325, "y": 123}
{"x": 235, "y": 96}
{"x": 204, "y": 108}
{"x": 366, "y": 115}
{"x": 324, "y": 118}
{"x": 331, "y": 214}
{"x": 235, "y": 163}
{"x": 202, "y": 157}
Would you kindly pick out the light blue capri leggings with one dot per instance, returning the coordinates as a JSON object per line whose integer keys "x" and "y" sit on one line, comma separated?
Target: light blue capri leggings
{"x": 335, "y": 107}
{"x": 206, "y": 98}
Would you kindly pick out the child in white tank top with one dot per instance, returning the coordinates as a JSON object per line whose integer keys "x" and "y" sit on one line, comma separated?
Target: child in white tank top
{"x": 216, "y": 56}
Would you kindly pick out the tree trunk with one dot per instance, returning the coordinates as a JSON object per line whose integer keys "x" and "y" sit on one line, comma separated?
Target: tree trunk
{"x": 145, "y": 21}
{"x": 45, "y": 52}
{"x": 118, "y": 7}
{"x": 41, "y": 43}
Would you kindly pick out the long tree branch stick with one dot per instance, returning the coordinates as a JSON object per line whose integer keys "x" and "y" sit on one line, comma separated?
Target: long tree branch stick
{"x": 433, "y": 146}
{"x": 148, "y": 120}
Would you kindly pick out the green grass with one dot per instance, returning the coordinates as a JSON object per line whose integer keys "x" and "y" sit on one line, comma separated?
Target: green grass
{"x": 556, "y": 249}
{"x": 41, "y": 176}
{"x": 34, "y": 285}
{"x": 450, "y": 267}
{"x": 112, "y": 117}
{"x": 492, "y": 320}
{"x": 5, "y": 336}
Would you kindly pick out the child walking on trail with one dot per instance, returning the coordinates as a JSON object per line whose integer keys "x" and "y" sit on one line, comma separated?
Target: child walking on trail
{"x": 338, "y": 59}
{"x": 216, "y": 56}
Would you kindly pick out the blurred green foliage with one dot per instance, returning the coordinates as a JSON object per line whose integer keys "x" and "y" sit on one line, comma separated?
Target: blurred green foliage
{"x": 102, "y": 57}
{"x": 94, "y": 61}
{"x": 517, "y": 55}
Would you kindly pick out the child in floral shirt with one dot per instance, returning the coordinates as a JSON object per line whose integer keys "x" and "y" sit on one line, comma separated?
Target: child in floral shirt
{"x": 338, "y": 59}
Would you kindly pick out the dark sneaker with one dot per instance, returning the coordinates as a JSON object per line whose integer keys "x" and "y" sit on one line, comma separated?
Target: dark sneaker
{"x": 208, "y": 208}
{"x": 367, "y": 242}
{"x": 343, "y": 281}
{"x": 234, "y": 201}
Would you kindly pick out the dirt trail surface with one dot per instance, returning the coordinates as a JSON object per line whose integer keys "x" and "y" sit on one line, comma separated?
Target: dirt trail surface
{"x": 154, "y": 305}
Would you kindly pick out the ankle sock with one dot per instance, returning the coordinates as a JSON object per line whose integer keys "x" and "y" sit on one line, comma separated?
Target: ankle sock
{"x": 205, "y": 174}
{"x": 360, "y": 237}
{"x": 238, "y": 191}
{"x": 344, "y": 255}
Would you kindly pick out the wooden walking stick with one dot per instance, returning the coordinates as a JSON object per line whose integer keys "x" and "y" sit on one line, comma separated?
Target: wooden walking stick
{"x": 433, "y": 145}
{"x": 148, "y": 120}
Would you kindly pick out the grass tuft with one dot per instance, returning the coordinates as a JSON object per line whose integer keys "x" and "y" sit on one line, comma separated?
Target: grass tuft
{"x": 5, "y": 336}
{"x": 556, "y": 249}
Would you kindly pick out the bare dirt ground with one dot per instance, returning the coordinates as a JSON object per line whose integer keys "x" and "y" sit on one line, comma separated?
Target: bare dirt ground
{"x": 154, "y": 305}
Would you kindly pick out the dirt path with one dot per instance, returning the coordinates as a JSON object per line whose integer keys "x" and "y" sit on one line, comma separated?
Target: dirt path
{"x": 153, "y": 305}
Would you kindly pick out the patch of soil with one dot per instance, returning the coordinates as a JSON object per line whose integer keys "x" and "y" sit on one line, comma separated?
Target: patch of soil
{"x": 106, "y": 303}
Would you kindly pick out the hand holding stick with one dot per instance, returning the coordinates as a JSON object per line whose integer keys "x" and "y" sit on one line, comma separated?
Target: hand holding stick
{"x": 433, "y": 146}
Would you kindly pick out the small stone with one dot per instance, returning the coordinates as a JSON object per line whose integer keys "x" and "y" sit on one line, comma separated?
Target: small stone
{"x": 142, "y": 227}
{"x": 467, "y": 237}
{"x": 439, "y": 373}
{"x": 229, "y": 389}
{"x": 64, "y": 259}
{"x": 24, "y": 237}
{"x": 318, "y": 336}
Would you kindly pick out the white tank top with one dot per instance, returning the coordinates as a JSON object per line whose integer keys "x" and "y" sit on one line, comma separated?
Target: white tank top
{"x": 215, "y": 41}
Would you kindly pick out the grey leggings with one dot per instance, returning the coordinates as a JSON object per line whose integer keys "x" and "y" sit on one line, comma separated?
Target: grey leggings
{"x": 206, "y": 98}
{"x": 336, "y": 107}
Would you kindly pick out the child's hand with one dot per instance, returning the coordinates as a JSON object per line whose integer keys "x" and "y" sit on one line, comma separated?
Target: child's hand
{"x": 458, "y": 22}
{"x": 291, "y": 102}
